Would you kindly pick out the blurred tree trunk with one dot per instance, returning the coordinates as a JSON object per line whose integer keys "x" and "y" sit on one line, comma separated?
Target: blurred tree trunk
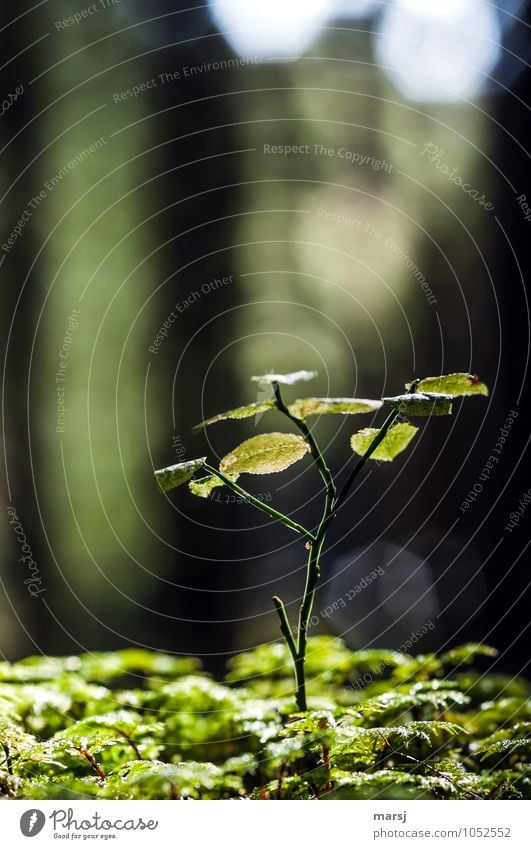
{"x": 96, "y": 277}
{"x": 22, "y": 617}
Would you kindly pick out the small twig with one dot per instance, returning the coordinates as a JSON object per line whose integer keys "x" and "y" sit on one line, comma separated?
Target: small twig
{"x": 284, "y": 626}
{"x": 274, "y": 514}
{"x": 280, "y": 780}
{"x": 439, "y": 774}
{"x": 327, "y": 765}
{"x": 315, "y": 451}
{"x": 427, "y": 766}
{"x": 9, "y": 763}
{"x": 93, "y": 762}
{"x": 380, "y": 436}
{"x": 130, "y": 741}
{"x": 312, "y": 570}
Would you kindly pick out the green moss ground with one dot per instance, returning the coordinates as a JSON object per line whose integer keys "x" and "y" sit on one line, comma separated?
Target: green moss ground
{"x": 381, "y": 725}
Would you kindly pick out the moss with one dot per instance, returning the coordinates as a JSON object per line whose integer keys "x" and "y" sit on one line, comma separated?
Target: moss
{"x": 380, "y": 724}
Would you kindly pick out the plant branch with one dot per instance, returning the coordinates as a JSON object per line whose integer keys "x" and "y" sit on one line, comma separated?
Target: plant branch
{"x": 280, "y": 517}
{"x": 380, "y": 436}
{"x": 312, "y": 576}
{"x": 93, "y": 762}
{"x": 312, "y": 571}
{"x": 285, "y": 626}
{"x": 315, "y": 451}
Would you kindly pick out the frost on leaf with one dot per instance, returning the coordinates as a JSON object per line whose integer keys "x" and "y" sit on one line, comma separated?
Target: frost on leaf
{"x": 172, "y": 476}
{"x": 304, "y": 407}
{"x": 268, "y": 452}
{"x": 421, "y": 404}
{"x": 288, "y": 379}
{"x": 395, "y": 441}
{"x": 202, "y": 487}
{"x": 238, "y": 413}
{"x": 456, "y": 384}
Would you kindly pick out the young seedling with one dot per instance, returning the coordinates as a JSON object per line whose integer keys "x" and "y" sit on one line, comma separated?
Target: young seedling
{"x": 274, "y": 452}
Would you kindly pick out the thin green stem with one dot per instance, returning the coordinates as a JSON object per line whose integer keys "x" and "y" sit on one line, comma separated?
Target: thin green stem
{"x": 285, "y": 626}
{"x": 315, "y": 451}
{"x": 312, "y": 576}
{"x": 312, "y": 570}
{"x": 380, "y": 436}
{"x": 280, "y": 517}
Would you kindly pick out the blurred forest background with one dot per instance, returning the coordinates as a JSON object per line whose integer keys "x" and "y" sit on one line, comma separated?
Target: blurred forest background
{"x": 143, "y": 131}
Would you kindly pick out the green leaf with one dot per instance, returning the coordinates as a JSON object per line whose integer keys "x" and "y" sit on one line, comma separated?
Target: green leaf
{"x": 384, "y": 784}
{"x": 507, "y": 741}
{"x": 173, "y": 476}
{"x": 396, "y": 440}
{"x": 202, "y": 487}
{"x": 357, "y": 748}
{"x": 113, "y": 667}
{"x": 467, "y": 654}
{"x": 427, "y": 705}
{"x": 421, "y": 404}
{"x": 185, "y": 780}
{"x": 268, "y": 452}
{"x": 288, "y": 379}
{"x": 304, "y": 407}
{"x": 456, "y": 384}
{"x": 238, "y": 413}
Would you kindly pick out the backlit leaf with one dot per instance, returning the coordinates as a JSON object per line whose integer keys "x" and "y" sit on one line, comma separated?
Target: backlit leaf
{"x": 173, "y": 476}
{"x": 467, "y": 654}
{"x": 395, "y": 441}
{"x": 456, "y": 384}
{"x": 238, "y": 413}
{"x": 304, "y": 407}
{"x": 202, "y": 487}
{"x": 420, "y": 404}
{"x": 268, "y": 452}
{"x": 288, "y": 379}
